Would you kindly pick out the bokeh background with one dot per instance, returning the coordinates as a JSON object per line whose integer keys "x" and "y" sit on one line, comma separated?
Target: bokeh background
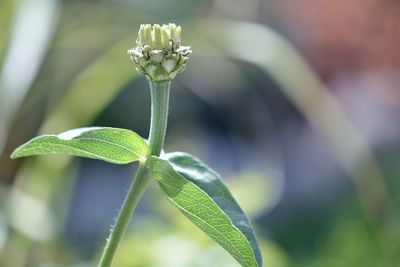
{"x": 295, "y": 103}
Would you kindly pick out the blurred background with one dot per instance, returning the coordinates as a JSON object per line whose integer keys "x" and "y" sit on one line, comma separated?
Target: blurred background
{"x": 295, "y": 103}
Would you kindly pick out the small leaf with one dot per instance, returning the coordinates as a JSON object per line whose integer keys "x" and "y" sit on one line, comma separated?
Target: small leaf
{"x": 113, "y": 145}
{"x": 203, "y": 198}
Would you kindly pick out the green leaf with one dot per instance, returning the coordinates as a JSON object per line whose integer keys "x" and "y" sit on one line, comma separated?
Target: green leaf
{"x": 113, "y": 145}
{"x": 203, "y": 198}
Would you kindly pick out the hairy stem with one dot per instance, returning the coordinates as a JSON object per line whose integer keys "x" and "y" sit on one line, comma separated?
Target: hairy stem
{"x": 159, "y": 115}
{"x": 158, "y": 126}
{"x": 142, "y": 179}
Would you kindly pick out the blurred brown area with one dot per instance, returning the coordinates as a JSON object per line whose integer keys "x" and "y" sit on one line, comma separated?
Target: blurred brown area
{"x": 354, "y": 47}
{"x": 339, "y": 36}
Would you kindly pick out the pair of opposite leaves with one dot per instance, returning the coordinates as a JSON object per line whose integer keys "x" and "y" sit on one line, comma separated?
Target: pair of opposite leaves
{"x": 188, "y": 183}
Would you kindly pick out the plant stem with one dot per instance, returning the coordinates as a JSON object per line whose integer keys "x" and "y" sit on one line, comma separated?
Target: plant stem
{"x": 132, "y": 198}
{"x": 158, "y": 126}
{"x": 159, "y": 115}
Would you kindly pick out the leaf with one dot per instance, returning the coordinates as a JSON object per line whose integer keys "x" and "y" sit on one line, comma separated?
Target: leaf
{"x": 203, "y": 198}
{"x": 119, "y": 146}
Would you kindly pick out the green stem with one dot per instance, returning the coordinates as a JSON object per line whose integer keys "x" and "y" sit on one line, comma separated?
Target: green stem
{"x": 159, "y": 115}
{"x": 142, "y": 179}
{"x": 158, "y": 126}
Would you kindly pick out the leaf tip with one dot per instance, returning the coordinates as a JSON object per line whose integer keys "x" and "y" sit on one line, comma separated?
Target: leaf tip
{"x": 15, "y": 154}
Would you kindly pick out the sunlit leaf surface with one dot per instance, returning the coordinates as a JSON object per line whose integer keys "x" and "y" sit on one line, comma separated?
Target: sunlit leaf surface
{"x": 202, "y": 197}
{"x": 113, "y": 145}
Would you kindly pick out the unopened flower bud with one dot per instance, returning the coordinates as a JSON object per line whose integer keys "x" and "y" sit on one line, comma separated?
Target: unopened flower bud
{"x": 158, "y": 53}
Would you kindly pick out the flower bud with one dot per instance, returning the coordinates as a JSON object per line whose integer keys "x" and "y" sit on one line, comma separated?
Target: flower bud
{"x": 158, "y": 53}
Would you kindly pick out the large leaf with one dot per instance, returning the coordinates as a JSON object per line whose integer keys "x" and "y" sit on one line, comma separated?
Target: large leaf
{"x": 113, "y": 145}
{"x": 202, "y": 197}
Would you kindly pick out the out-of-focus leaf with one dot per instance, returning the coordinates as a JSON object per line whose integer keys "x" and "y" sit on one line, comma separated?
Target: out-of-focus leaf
{"x": 202, "y": 197}
{"x": 97, "y": 79}
{"x": 287, "y": 67}
{"x": 7, "y": 9}
{"x": 113, "y": 145}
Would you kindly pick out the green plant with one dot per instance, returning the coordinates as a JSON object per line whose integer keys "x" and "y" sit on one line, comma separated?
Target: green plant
{"x": 187, "y": 182}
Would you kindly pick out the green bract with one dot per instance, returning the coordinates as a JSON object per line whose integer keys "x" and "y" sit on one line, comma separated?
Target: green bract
{"x": 159, "y": 54}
